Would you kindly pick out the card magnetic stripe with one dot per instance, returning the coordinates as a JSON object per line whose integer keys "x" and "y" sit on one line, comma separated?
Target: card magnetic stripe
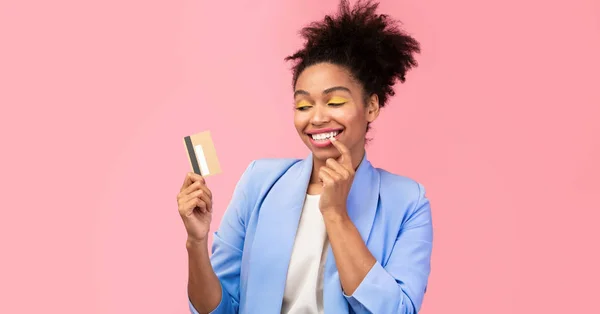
{"x": 192, "y": 153}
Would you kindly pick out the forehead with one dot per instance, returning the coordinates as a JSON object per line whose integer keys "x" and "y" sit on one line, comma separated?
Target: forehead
{"x": 319, "y": 77}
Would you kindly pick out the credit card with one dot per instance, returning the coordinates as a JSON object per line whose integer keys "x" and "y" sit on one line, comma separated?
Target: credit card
{"x": 202, "y": 154}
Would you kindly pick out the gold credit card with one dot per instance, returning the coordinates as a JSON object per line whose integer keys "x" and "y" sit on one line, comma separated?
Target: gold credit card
{"x": 202, "y": 154}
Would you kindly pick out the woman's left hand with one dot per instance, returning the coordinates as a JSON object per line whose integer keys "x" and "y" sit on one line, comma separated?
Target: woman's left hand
{"x": 336, "y": 176}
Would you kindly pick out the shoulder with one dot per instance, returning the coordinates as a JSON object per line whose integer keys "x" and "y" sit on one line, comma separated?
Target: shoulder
{"x": 265, "y": 171}
{"x": 269, "y": 165}
{"x": 391, "y": 182}
{"x": 395, "y": 189}
{"x": 258, "y": 179}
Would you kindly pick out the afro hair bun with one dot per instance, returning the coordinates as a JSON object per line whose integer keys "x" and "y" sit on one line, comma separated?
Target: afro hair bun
{"x": 371, "y": 46}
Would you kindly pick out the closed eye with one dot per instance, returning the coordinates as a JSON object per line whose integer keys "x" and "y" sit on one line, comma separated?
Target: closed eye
{"x": 303, "y": 105}
{"x": 333, "y": 104}
{"x": 303, "y": 108}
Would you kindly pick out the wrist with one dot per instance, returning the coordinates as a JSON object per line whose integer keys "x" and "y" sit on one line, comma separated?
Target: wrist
{"x": 192, "y": 243}
{"x": 336, "y": 215}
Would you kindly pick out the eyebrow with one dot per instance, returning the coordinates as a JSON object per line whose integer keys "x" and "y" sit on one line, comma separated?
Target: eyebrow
{"x": 327, "y": 91}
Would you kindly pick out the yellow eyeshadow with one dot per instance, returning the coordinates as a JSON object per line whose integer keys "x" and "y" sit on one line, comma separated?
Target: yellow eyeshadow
{"x": 338, "y": 100}
{"x": 302, "y": 103}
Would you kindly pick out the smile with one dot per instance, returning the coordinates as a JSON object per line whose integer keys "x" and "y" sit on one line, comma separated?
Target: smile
{"x": 324, "y": 136}
{"x": 321, "y": 138}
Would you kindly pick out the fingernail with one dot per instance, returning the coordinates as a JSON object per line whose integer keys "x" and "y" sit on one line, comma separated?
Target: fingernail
{"x": 333, "y": 139}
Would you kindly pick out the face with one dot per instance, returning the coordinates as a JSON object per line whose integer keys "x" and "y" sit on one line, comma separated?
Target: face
{"x": 329, "y": 102}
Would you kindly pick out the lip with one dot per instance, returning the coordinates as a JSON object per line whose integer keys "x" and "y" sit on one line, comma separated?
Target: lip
{"x": 322, "y": 144}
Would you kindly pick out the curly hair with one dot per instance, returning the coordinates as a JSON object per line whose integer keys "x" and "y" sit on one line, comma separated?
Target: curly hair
{"x": 371, "y": 46}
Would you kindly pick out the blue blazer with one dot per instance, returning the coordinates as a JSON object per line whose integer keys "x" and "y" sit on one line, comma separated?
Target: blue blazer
{"x": 253, "y": 244}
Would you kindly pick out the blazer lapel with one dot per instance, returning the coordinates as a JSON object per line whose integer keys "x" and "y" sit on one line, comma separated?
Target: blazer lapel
{"x": 362, "y": 206}
{"x": 274, "y": 238}
{"x": 364, "y": 198}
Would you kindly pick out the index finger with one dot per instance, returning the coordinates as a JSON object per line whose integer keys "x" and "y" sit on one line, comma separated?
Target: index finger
{"x": 186, "y": 182}
{"x": 345, "y": 158}
{"x": 190, "y": 178}
{"x": 196, "y": 177}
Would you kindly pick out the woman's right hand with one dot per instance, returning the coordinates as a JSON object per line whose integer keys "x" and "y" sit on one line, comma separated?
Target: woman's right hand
{"x": 195, "y": 207}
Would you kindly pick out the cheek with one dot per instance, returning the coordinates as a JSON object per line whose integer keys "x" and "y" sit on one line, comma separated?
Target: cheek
{"x": 351, "y": 118}
{"x": 299, "y": 121}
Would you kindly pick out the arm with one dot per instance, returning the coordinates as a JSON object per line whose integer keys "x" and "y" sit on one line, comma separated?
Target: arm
{"x": 213, "y": 284}
{"x": 204, "y": 288}
{"x": 353, "y": 258}
{"x": 399, "y": 285}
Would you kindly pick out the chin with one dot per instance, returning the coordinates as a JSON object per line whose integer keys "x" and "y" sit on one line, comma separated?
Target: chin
{"x": 324, "y": 154}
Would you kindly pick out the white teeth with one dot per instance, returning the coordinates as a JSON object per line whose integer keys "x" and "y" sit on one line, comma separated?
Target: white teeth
{"x": 324, "y": 136}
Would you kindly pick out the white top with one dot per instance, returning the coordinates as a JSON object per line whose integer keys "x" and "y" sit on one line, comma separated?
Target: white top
{"x": 304, "y": 285}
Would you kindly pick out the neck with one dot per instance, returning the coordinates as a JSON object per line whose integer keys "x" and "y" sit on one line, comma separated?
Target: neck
{"x": 357, "y": 157}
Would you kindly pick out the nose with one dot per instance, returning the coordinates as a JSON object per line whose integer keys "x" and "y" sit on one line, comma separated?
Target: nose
{"x": 320, "y": 116}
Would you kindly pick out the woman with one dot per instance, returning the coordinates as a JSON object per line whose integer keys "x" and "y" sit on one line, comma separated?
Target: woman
{"x": 329, "y": 233}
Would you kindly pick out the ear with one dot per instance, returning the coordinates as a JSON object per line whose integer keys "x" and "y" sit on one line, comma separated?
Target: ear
{"x": 372, "y": 110}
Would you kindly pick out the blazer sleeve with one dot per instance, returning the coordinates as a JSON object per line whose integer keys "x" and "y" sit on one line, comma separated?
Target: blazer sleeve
{"x": 228, "y": 243}
{"x": 399, "y": 286}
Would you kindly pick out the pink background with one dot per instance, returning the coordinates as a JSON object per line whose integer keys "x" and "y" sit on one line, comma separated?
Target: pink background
{"x": 501, "y": 123}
